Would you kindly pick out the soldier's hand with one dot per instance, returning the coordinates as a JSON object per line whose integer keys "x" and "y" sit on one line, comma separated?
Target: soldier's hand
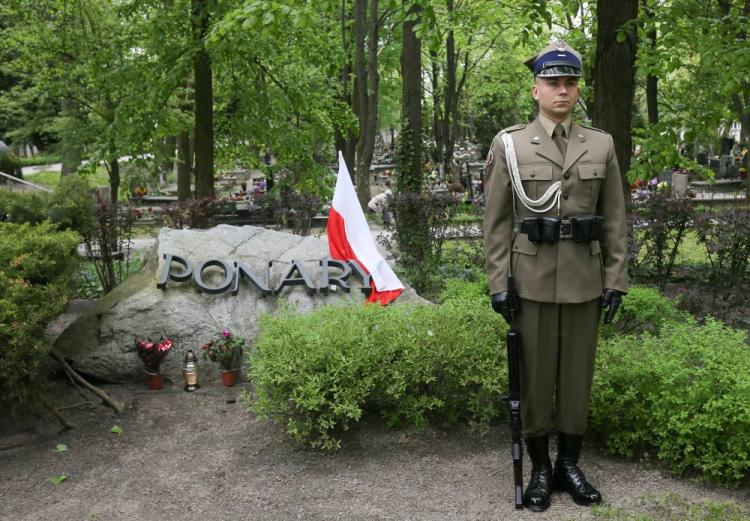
{"x": 502, "y": 303}
{"x": 611, "y": 299}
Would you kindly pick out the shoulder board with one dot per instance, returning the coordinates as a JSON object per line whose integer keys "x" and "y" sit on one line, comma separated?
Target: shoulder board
{"x": 593, "y": 128}
{"x": 514, "y": 128}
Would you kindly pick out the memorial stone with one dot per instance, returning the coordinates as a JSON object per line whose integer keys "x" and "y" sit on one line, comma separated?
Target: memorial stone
{"x": 221, "y": 278}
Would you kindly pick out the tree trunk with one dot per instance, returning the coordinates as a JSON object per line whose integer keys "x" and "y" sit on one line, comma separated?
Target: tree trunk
{"x": 449, "y": 99}
{"x": 437, "y": 115}
{"x": 114, "y": 179}
{"x": 367, "y": 82}
{"x": 741, "y": 100}
{"x": 651, "y": 80}
{"x": 344, "y": 138}
{"x": 184, "y": 166}
{"x": 167, "y": 153}
{"x": 72, "y": 152}
{"x": 614, "y": 81}
{"x": 411, "y": 222}
{"x": 410, "y": 177}
{"x": 204, "y": 114}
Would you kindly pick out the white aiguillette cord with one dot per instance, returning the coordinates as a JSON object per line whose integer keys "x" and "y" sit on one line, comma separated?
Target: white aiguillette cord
{"x": 552, "y": 193}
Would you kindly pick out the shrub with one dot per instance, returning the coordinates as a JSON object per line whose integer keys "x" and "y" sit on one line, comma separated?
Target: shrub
{"x": 422, "y": 223}
{"x": 459, "y": 290}
{"x": 644, "y": 309}
{"x": 664, "y": 223}
{"x": 72, "y": 206}
{"x": 22, "y": 207}
{"x": 319, "y": 373}
{"x": 725, "y": 233}
{"x": 35, "y": 265}
{"x": 679, "y": 394}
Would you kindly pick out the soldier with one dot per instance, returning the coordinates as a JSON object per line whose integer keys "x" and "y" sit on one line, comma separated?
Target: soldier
{"x": 555, "y": 220}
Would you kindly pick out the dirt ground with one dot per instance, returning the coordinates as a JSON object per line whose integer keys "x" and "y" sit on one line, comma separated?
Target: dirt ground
{"x": 203, "y": 456}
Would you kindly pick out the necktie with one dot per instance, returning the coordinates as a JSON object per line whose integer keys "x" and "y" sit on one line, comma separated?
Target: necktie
{"x": 558, "y": 135}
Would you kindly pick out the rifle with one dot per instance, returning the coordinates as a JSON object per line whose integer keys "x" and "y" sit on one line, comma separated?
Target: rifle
{"x": 513, "y": 342}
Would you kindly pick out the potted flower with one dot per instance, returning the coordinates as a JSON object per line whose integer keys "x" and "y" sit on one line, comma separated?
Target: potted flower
{"x": 152, "y": 354}
{"x": 226, "y": 351}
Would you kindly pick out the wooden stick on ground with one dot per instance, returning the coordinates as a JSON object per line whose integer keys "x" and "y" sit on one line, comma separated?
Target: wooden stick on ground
{"x": 117, "y": 406}
{"x": 57, "y": 414}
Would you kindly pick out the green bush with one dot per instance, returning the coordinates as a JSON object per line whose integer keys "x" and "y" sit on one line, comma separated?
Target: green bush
{"x": 684, "y": 394}
{"x": 459, "y": 290}
{"x": 71, "y": 206}
{"x": 35, "y": 265}
{"x": 24, "y": 207}
{"x": 674, "y": 389}
{"x": 644, "y": 309}
{"x": 319, "y": 373}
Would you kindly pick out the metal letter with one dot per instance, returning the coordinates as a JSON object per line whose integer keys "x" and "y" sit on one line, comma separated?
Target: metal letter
{"x": 226, "y": 283}
{"x": 243, "y": 270}
{"x": 291, "y": 280}
{"x": 325, "y": 276}
{"x": 166, "y": 272}
{"x": 364, "y": 277}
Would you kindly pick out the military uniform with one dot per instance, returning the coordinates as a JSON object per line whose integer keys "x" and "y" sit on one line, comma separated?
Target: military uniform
{"x": 560, "y": 284}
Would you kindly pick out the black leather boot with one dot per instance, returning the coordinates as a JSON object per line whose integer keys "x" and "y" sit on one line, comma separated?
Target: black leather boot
{"x": 567, "y": 476}
{"x": 537, "y": 495}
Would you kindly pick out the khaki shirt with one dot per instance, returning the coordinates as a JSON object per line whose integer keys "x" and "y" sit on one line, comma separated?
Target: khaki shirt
{"x": 564, "y": 272}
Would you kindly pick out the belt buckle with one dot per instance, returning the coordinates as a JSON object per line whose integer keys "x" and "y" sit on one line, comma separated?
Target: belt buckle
{"x": 566, "y": 229}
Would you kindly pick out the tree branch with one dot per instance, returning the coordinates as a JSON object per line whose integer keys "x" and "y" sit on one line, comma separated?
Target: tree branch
{"x": 106, "y": 398}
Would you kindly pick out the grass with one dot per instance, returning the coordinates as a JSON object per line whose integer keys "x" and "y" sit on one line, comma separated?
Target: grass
{"x": 672, "y": 507}
{"x": 86, "y": 283}
{"x": 691, "y": 251}
{"x": 51, "y": 178}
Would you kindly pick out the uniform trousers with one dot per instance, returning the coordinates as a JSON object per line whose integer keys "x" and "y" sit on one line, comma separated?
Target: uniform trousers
{"x": 558, "y": 350}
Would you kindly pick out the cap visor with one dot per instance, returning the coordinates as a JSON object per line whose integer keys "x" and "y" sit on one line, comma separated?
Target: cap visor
{"x": 560, "y": 70}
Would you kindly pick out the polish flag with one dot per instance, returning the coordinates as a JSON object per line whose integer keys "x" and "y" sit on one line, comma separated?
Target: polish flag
{"x": 349, "y": 238}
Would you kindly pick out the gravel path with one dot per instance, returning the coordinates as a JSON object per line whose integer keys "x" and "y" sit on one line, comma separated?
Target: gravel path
{"x": 202, "y": 456}
{"x": 198, "y": 456}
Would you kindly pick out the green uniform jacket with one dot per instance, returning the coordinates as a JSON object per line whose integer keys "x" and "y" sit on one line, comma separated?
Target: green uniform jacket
{"x": 565, "y": 272}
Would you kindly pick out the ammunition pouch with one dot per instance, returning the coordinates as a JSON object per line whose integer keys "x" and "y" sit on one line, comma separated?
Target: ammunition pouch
{"x": 549, "y": 230}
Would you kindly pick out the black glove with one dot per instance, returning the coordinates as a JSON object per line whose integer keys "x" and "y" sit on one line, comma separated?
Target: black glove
{"x": 611, "y": 299}
{"x": 505, "y": 304}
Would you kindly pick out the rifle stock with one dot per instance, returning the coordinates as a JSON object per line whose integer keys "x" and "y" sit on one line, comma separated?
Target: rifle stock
{"x": 513, "y": 341}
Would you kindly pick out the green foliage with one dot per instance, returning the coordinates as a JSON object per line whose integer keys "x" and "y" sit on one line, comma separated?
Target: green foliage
{"x": 419, "y": 236}
{"x": 226, "y": 350}
{"x": 319, "y": 373}
{"x": 35, "y": 264}
{"x": 86, "y": 283}
{"x": 72, "y": 205}
{"x": 644, "y": 310}
{"x": 679, "y": 394}
{"x": 663, "y": 224}
{"x": 725, "y": 234}
{"x": 659, "y": 151}
{"x": 24, "y": 207}
{"x": 476, "y": 292}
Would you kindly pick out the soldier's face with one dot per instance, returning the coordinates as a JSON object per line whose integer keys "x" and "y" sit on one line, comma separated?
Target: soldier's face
{"x": 556, "y": 96}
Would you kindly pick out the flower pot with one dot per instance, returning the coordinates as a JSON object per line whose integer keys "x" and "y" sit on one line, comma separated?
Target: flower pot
{"x": 229, "y": 377}
{"x": 155, "y": 381}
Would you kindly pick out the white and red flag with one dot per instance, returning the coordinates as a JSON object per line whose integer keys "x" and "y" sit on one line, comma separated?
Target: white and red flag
{"x": 349, "y": 238}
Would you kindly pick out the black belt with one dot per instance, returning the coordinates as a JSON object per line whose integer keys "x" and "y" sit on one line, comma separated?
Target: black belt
{"x": 585, "y": 228}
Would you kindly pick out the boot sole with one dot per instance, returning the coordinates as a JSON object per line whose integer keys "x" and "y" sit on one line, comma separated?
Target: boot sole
{"x": 538, "y": 508}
